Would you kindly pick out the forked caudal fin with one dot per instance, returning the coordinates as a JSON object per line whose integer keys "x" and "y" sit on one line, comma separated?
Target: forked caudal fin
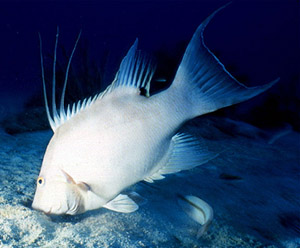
{"x": 203, "y": 81}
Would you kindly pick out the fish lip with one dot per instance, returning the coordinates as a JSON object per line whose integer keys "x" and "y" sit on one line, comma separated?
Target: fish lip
{"x": 33, "y": 205}
{"x": 39, "y": 209}
{"x": 48, "y": 212}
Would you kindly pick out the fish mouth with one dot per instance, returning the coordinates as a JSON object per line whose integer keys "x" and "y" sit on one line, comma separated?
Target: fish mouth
{"x": 54, "y": 211}
{"x": 35, "y": 207}
{"x": 47, "y": 211}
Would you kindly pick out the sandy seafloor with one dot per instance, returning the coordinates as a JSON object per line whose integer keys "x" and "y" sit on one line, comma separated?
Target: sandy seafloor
{"x": 253, "y": 187}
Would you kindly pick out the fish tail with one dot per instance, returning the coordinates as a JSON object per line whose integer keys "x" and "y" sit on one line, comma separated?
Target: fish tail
{"x": 202, "y": 84}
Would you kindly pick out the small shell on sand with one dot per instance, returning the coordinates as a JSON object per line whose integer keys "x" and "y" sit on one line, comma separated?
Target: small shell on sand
{"x": 198, "y": 210}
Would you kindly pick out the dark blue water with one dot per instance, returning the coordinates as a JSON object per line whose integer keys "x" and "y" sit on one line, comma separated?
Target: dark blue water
{"x": 253, "y": 185}
{"x": 257, "y": 41}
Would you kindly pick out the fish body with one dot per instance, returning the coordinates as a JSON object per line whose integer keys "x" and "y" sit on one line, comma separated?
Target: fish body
{"x": 122, "y": 136}
{"x": 127, "y": 140}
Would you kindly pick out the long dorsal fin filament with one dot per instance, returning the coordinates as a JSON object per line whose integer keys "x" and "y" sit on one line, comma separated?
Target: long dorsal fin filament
{"x": 62, "y": 105}
{"x": 53, "y": 76}
{"x": 56, "y": 119}
{"x": 136, "y": 71}
{"x": 51, "y": 122}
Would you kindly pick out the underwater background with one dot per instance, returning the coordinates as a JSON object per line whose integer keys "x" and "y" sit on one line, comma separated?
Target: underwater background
{"x": 253, "y": 185}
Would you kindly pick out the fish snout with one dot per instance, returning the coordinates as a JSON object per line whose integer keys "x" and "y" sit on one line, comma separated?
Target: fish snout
{"x": 35, "y": 206}
{"x": 57, "y": 210}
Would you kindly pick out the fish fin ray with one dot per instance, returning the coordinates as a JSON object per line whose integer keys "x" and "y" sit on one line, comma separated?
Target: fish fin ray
{"x": 137, "y": 198}
{"x": 206, "y": 82}
{"x": 122, "y": 203}
{"x": 185, "y": 152}
{"x": 155, "y": 176}
{"x": 136, "y": 70}
{"x": 57, "y": 118}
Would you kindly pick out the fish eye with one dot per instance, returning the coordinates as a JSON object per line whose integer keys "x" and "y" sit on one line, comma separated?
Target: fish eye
{"x": 40, "y": 180}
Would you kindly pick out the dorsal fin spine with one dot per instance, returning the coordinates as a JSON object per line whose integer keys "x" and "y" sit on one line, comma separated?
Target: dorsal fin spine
{"x": 53, "y": 76}
{"x": 78, "y": 106}
{"x": 51, "y": 122}
{"x": 83, "y": 104}
{"x": 68, "y": 112}
{"x": 57, "y": 118}
{"x": 89, "y": 101}
{"x": 62, "y": 108}
{"x": 135, "y": 71}
{"x": 73, "y": 109}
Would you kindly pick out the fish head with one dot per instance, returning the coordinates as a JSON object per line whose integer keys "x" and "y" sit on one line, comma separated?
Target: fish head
{"x": 57, "y": 194}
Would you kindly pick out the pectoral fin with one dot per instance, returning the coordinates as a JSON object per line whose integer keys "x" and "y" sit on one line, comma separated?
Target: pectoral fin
{"x": 122, "y": 203}
{"x": 185, "y": 152}
{"x": 82, "y": 185}
{"x": 67, "y": 177}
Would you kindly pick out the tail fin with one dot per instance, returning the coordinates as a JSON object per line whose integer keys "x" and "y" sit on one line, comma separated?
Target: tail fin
{"x": 204, "y": 81}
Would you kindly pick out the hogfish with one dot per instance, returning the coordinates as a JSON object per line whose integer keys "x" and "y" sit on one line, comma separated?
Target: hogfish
{"x": 105, "y": 144}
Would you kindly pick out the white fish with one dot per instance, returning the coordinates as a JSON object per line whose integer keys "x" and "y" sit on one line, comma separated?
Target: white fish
{"x": 101, "y": 146}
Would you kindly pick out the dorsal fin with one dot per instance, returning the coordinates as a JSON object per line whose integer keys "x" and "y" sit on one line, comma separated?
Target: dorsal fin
{"x": 136, "y": 70}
